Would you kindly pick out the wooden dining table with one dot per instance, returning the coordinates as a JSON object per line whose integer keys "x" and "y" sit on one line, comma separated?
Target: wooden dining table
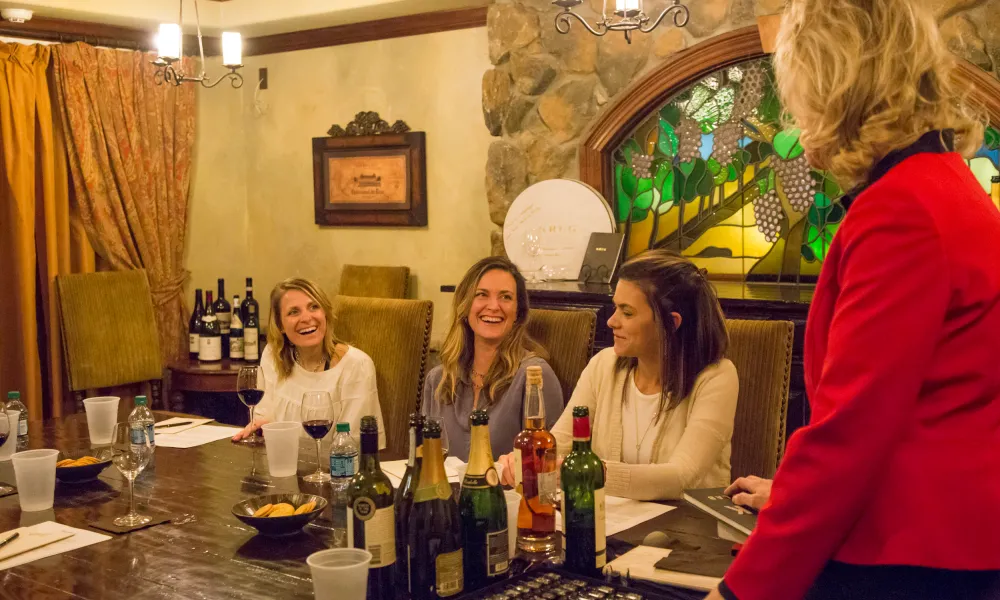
{"x": 204, "y": 551}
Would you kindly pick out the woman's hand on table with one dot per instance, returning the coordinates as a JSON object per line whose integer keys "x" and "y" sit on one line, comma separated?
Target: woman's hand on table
{"x": 507, "y": 478}
{"x": 750, "y": 491}
{"x": 246, "y": 431}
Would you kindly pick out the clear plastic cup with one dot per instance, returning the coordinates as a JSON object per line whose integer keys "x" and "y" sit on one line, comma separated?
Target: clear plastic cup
{"x": 35, "y": 473}
{"x": 513, "y": 505}
{"x": 340, "y": 573}
{"x": 102, "y": 414}
{"x": 8, "y": 447}
{"x": 281, "y": 440}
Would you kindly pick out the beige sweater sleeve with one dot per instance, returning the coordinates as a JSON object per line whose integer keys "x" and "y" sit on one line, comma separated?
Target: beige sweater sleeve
{"x": 584, "y": 394}
{"x": 709, "y": 430}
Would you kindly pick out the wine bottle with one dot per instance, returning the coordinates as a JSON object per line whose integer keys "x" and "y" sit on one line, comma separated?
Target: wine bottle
{"x": 434, "y": 539}
{"x": 223, "y": 312}
{"x": 535, "y": 472}
{"x": 583, "y": 506}
{"x": 370, "y": 515}
{"x": 210, "y": 340}
{"x": 236, "y": 332}
{"x": 483, "y": 509}
{"x": 251, "y": 325}
{"x": 404, "y": 499}
{"x": 194, "y": 326}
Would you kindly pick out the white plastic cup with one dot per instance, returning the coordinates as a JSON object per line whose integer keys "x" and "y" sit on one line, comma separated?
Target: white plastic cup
{"x": 8, "y": 447}
{"x": 340, "y": 573}
{"x": 281, "y": 441}
{"x": 513, "y": 506}
{"x": 35, "y": 473}
{"x": 102, "y": 414}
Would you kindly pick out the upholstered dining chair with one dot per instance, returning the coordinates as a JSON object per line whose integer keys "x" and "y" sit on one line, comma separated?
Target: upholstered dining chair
{"x": 568, "y": 337}
{"x": 396, "y": 335}
{"x": 374, "y": 282}
{"x": 762, "y": 353}
{"x": 109, "y": 332}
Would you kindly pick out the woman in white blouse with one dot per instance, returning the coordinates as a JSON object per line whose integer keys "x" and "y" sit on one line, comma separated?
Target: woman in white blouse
{"x": 303, "y": 355}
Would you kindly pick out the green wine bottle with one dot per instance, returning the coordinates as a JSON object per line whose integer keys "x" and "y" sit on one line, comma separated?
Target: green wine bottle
{"x": 434, "y": 539}
{"x": 583, "y": 501}
{"x": 370, "y": 515}
{"x": 404, "y": 498}
{"x": 483, "y": 510}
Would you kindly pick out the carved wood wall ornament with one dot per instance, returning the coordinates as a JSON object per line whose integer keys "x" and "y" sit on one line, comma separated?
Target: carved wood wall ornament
{"x": 368, "y": 123}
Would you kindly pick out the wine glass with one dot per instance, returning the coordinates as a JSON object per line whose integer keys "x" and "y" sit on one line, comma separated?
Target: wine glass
{"x": 319, "y": 413}
{"x": 532, "y": 244}
{"x": 4, "y": 434}
{"x": 130, "y": 452}
{"x": 250, "y": 388}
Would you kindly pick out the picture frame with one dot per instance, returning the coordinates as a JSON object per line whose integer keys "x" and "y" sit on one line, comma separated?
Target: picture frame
{"x": 375, "y": 180}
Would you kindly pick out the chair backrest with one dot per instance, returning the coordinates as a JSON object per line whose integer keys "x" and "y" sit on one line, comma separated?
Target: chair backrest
{"x": 374, "y": 282}
{"x": 762, "y": 353}
{"x": 568, "y": 336}
{"x": 396, "y": 335}
{"x": 109, "y": 329}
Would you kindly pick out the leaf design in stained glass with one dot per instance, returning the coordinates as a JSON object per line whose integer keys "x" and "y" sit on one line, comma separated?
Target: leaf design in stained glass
{"x": 644, "y": 199}
{"x": 671, "y": 114}
{"x": 699, "y": 96}
{"x": 992, "y": 138}
{"x": 725, "y": 98}
{"x": 735, "y": 74}
{"x": 667, "y": 142}
{"x": 786, "y": 144}
{"x": 821, "y": 200}
{"x": 712, "y": 82}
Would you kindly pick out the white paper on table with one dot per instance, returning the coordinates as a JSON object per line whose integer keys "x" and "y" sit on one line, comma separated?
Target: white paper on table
{"x": 205, "y": 434}
{"x": 623, "y": 513}
{"x": 638, "y": 563}
{"x": 180, "y": 428}
{"x": 454, "y": 468}
{"x": 76, "y": 538}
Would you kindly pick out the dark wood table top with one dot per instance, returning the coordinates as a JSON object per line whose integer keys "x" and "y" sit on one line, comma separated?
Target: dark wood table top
{"x": 205, "y": 552}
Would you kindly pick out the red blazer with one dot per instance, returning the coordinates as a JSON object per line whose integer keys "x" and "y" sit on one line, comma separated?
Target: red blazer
{"x": 900, "y": 463}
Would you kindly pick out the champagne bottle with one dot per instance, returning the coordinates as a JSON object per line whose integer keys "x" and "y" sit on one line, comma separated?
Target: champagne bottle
{"x": 194, "y": 326}
{"x": 223, "y": 312}
{"x": 210, "y": 342}
{"x": 236, "y": 332}
{"x": 251, "y": 325}
{"x": 404, "y": 499}
{"x": 370, "y": 515}
{"x": 484, "y": 511}
{"x": 535, "y": 472}
{"x": 583, "y": 506}
{"x": 434, "y": 540}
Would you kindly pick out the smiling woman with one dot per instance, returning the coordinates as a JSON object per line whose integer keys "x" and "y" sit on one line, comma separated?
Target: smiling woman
{"x": 303, "y": 355}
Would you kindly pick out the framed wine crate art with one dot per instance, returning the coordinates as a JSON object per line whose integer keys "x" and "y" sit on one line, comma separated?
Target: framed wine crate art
{"x": 370, "y": 174}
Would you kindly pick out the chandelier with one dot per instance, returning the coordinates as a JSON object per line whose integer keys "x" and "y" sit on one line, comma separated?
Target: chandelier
{"x": 169, "y": 46}
{"x": 629, "y": 13}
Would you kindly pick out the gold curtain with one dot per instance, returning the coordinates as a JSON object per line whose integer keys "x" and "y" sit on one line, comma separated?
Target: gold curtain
{"x": 130, "y": 143}
{"x": 40, "y": 236}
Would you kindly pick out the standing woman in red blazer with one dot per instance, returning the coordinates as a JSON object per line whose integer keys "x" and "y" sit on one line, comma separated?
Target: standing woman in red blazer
{"x": 893, "y": 489}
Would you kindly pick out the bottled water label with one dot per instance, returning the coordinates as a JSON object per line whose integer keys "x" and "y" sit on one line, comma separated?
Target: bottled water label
{"x": 342, "y": 466}
{"x": 22, "y": 427}
{"x": 138, "y": 438}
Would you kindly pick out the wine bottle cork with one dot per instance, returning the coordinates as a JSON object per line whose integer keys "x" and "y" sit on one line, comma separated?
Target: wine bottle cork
{"x": 533, "y": 375}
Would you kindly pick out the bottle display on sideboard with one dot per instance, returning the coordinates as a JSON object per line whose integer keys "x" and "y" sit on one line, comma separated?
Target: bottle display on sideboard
{"x": 194, "y": 326}
{"x": 210, "y": 341}
{"x": 251, "y": 325}
{"x": 224, "y": 313}
{"x": 236, "y": 332}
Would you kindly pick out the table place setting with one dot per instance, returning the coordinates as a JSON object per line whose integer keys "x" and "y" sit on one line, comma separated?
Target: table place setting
{"x": 28, "y": 544}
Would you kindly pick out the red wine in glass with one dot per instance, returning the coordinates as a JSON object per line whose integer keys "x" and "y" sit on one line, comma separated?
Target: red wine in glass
{"x": 317, "y": 429}
{"x": 251, "y": 397}
{"x": 3, "y": 437}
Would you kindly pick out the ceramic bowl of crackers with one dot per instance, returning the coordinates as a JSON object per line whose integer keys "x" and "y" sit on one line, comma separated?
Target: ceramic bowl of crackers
{"x": 279, "y": 514}
{"x": 84, "y": 466}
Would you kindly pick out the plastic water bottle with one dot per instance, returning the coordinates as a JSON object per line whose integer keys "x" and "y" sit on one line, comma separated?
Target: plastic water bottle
{"x": 343, "y": 463}
{"x": 139, "y": 420}
{"x": 14, "y": 403}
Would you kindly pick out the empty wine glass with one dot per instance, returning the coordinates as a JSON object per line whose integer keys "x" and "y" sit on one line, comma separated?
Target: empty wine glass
{"x": 4, "y": 434}
{"x": 532, "y": 244}
{"x": 250, "y": 388}
{"x": 319, "y": 413}
{"x": 130, "y": 452}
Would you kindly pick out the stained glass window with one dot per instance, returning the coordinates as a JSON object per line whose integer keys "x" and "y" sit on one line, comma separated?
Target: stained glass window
{"x": 714, "y": 175}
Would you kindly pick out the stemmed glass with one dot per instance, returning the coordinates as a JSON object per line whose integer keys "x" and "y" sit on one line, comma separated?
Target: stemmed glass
{"x": 130, "y": 452}
{"x": 250, "y": 388}
{"x": 4, "y": 434}
{"x": 319, "y": 413}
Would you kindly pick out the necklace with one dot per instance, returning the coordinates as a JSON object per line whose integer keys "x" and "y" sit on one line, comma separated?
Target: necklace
{"x": 638, "y": 444}
{"x": 317, "y": 369}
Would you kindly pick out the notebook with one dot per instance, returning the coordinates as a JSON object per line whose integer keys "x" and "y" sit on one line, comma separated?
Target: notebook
{"x": 716, "y": 503}
{"x": 601, "y": 259}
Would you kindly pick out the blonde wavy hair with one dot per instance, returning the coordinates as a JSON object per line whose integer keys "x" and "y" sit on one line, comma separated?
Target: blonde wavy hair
{"x": 458, "y": 349}
{"x": 276, "y": 338}
{"x": 863, "y": 78}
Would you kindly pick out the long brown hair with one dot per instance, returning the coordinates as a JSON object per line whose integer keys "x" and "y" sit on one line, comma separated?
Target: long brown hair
{"x": 458, "y": 349}
{"x": 276, "y": 338}
{"x": 673, "y": 284}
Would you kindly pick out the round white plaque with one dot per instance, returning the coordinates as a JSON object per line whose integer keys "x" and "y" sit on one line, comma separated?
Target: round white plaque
{"x": 548, "y": 227}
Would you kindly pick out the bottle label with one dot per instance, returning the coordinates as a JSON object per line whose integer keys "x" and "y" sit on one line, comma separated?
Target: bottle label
{"x": 22, "y": 425}
{"x": 600, "y": 540}
{"x": 210, "y": 348}
{"x": 136, "y": 434}
{"x": 547, "y": 484}
{"x": 193, "y": 342}
{"x": 236, "y": 346}
{"x": 518, "y": 476}
{"x": 478, "y": 482}
{"x": 497, "y": 552}
{"x": 342, "y": 466}
{"x": 250, "y": 340}
{"x": 450, "y": 579}
{"x": 379, "y": 530}
{"x": 225, "y": 319}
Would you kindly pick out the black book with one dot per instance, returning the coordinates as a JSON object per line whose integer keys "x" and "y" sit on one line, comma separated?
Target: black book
{"x": 601, "y": 259}
{"x": 716, "y": 503}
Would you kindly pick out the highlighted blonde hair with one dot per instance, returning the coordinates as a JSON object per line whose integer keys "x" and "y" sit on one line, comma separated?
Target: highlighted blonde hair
{"x": 280, "y": 345}
{"x": 863, "y": 78}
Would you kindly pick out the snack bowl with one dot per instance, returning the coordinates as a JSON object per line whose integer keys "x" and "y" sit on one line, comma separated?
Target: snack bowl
{"x": 91, "y": 463}
{"x": 282, "y": 523}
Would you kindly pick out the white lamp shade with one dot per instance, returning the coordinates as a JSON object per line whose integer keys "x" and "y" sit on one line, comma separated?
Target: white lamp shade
{"x": 168, "y": 41}
{"x": 232, "y": 49}
{"x": 623, "y": 5}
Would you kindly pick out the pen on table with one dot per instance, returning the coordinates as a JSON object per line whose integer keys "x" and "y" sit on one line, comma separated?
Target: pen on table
{"x": 10, "y": 539}
{"x": 173, "y": 424}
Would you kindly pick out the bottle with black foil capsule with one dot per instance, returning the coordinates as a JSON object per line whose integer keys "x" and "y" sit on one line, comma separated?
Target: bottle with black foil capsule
{"x": 250, "y": 312}
{"x": 583, "y": 504}
{"x": 404, "y": 499}
{"x": 371, "y": 523}
{"x": 236, "y": 332}
{"x": 210, "y": 342}
{"x": 483, "y": 509}
{"x": 434, "y": 540}
{"x": 223, "y": 312}
{"x": 194, "y": 326}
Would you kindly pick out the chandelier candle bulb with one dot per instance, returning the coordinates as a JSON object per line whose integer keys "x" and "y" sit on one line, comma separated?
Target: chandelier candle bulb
{"x": 232, "y": 49}
{"x": 169, "y": 41}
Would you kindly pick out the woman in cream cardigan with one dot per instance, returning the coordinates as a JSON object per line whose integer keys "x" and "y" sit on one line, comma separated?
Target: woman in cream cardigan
{"x": 663, "y": 399}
